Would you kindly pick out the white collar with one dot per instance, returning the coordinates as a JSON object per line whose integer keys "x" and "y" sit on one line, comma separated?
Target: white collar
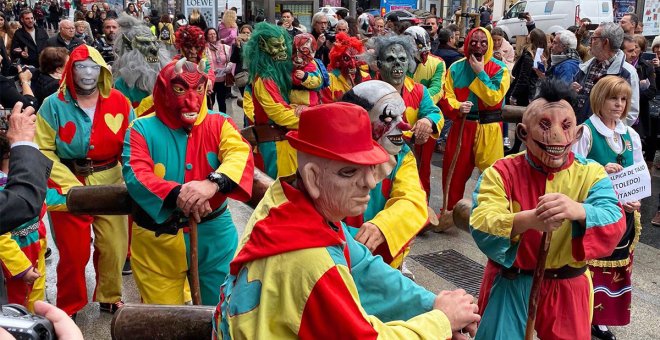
{"x": 619, "y": 128}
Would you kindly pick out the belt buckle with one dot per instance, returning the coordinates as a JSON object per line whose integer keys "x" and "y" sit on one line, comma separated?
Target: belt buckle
{"x": 83, "y": 167}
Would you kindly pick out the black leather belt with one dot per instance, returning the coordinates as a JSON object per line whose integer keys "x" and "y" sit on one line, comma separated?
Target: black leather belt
{"x": 86, "y": 167}
{"x": 485, "y": 117}
{"x": 565, "y": 272}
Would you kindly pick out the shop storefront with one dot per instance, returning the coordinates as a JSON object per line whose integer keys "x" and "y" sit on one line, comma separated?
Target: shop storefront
{"x": 270, "y": 9}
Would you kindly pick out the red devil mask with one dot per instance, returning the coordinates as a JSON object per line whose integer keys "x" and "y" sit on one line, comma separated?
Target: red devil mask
{"x": 344, "y": 54}
{"x": 304, "y": 46}
{"x": 180, "y": 94}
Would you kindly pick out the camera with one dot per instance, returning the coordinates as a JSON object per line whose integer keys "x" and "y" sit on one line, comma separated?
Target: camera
{"x": 330, "y": 36}
{"x": 522, "y": 15}
{"x": 20, "y": 323}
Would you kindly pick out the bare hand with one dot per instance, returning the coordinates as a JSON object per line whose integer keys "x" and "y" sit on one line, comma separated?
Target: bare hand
{"x": 195, "y": 194}
{"x": 320, "y": 40}
{"x": 656, "y": 62}
{"x": 299, "y": 110}
{"x": 465, "y": 108}
{"x": 611, "y": 168}
{"x": 477, "y": 65}
{"x": 202, "y": 211}
{"x": 513, "y": 101}
{"x": 30, "y": 276}
{"x": 21, "y": 124}
{"x": 576, "y": 86}
{"x": 470, "y": 330}
{"x": 370, "y": 235}
{"x": 25, "y": 54}
{"x": 24, "y": 74}
{"x": 631, "y": 206}
{"x": 556, "y": 207}
{"x": 422, "y": 130}
{"x": 458, "y": 307}
{"x": 64, "y": 326}
{"x": 300, "y": 74}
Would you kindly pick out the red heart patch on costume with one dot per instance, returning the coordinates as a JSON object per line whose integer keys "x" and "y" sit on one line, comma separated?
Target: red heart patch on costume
{"x": 67, "y": 132}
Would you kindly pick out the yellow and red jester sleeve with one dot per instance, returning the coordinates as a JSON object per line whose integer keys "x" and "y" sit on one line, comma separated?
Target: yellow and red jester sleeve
{"x": 236, "y": 161}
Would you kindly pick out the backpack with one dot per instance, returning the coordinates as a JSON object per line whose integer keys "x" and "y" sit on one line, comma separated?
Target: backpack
{"x": 165, "y": 34}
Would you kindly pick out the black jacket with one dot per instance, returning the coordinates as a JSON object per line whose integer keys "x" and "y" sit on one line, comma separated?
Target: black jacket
{"x": 24, "y": 194}
{"x": 523, "y": 87}
{"x": 5, "y": 67}
{"x": 448, "y": 54}
{"x": 9, "y": 95}
{"x": 57, "y": 41}
{"x": 43, "y": 85}
{"x": 23, "y": 39}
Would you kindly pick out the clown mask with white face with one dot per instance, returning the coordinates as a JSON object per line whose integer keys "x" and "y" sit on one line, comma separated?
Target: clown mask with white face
{"x": 86, "y": 76}
{"x": 386, "y": 109}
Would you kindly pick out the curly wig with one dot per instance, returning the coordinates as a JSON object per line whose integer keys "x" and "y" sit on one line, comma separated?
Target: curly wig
{"x": 342, "y": 43}
{"x": 190, "y": 36}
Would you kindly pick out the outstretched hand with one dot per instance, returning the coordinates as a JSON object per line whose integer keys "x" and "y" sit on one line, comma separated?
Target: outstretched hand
{"x": 460, "y": 309}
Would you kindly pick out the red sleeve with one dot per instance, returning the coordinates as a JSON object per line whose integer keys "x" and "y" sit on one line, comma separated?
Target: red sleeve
{"x": 332, "y": 311}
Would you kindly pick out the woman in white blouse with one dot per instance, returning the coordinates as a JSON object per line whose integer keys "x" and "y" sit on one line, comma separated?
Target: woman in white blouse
{"x": 609, "y": 141}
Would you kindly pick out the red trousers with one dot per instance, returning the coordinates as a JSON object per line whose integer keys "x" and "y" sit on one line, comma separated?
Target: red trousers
{"x": 423, "y": 155}
{"x": 72, "y": 235}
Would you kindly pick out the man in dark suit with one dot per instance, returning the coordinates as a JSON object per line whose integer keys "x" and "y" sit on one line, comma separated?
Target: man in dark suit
{"x": 66, "y": 37}
{"x": 29, "y": 170}
{"x": 25, "y": 191}
{"x": 29, "y": 40}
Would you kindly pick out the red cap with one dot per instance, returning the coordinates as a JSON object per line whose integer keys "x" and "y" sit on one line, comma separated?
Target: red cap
{"x": 339, "y": 131}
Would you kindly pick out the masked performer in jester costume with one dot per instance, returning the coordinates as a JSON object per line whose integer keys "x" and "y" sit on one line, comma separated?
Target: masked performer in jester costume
{"x": 268, "y": 53}
{"x": 430, "y": 70}
{"x": 182, "y": 163}
{"x": 474, "y": 91}
{"x": 139, "y": 59}
{"x": 394, "y": 57}
{"x": 309, "y": 74}
{"x": 81, "y": 128}
{"x": 298, "y": 273}
{"x": 545, "y": 188}
{"x": 397, "y": 206}
{"x": 344, "y": 67}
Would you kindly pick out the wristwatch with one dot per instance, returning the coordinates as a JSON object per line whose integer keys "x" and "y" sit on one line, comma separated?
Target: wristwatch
{"x": 218, "y": 179}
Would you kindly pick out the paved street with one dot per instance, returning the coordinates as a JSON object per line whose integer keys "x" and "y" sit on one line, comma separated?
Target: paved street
{"x": 646, "y": 274}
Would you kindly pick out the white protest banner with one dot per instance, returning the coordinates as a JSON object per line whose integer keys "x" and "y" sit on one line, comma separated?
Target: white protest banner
{"x": 632, "y": 183}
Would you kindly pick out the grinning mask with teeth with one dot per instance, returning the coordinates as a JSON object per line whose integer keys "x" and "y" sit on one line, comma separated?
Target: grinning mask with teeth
{"x": 422, "y": 41}
{"x": 304, "y": 46}
{"x": 86, "y": 76}
{"x": 392, "y": 64}
{"x": 386, "y": 108}
{"x": 549, "y": 129}
{"x": 275, "y": 47}
{"x": 180, "y": 92}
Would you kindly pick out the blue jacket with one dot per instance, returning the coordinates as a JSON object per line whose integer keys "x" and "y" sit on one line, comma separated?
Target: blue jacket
{"x": 565, "y": 70}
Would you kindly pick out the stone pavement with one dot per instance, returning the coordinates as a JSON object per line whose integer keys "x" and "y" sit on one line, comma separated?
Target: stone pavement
{"x": 645, "y": 322}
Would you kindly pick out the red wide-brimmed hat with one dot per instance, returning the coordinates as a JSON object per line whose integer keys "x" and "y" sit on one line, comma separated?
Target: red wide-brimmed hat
{"x": 339, "y": 131}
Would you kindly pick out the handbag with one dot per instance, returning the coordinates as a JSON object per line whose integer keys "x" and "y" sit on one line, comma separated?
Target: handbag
{"x": 241, "y": 78}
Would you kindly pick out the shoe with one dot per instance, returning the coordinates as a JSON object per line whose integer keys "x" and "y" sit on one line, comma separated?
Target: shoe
{"x": 406, "y": 272}
{"x": 603, "y": 335}
{"x": 127, "y": 268}
{"x": 48, "y": 252}
{"x": 656, "y": 220}
{"x": 110, "y": 307}
{"x": 507, "y": 142}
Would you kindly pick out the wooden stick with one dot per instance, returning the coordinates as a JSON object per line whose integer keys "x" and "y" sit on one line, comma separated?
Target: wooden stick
{"x": 194, "y": 265}
{"x": 536, "y": 285}
{"x": 452, "y": 166}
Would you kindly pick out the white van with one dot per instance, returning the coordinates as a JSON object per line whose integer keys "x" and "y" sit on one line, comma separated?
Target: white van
{"x": 553, "y": 15}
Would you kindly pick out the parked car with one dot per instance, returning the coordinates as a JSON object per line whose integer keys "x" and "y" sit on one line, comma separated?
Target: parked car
{"x": 402, "y": 14}
{"x": 554, "y": 15}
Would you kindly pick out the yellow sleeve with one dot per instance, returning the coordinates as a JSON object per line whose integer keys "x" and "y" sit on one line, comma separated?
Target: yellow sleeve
{"x": 60, "y": 174}
{"x": 145, "y": 104}
{"x": 235, "y": 157}
{"x": 248, "y": 105}
{"x": 491, "y": 90}
{"x": 405, "y": 211}
{"x": 277, "y": 109}
{"x": 12, "y": 256}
